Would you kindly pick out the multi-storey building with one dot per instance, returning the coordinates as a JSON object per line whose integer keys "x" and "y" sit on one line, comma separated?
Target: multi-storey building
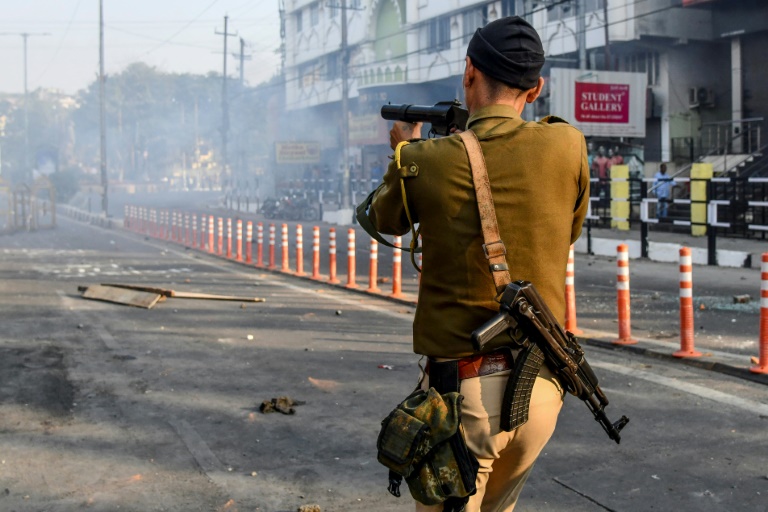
{"x": 700, "y": 59}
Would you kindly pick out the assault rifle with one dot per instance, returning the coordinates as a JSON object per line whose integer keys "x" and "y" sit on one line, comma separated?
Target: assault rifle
{"x": 543, "y": 341}
{"x": 444, "y": 115}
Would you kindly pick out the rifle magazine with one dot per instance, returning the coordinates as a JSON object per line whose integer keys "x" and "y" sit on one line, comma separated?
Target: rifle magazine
{"x": 517, "y": 395}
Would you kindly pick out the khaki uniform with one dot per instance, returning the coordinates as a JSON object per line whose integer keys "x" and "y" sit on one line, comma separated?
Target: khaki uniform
{"x": 540, "y": 184}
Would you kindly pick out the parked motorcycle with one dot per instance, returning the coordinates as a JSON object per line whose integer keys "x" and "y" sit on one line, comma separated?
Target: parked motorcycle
{"x": 290, "y": 208}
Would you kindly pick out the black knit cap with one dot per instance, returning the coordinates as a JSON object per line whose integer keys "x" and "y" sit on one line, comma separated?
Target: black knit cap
{"x": 509, "y": 50}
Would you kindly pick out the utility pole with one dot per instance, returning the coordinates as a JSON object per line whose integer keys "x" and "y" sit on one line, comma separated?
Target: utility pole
{"x": 224, "y": 101}
{"x": 102, "y": 117}
{"x": 243, "y": 57}
{"x": 344, "y": 107}
{"x": 24, "y": 37}
{"x": 581, "y": 31}
{"x": 607, "y": 40}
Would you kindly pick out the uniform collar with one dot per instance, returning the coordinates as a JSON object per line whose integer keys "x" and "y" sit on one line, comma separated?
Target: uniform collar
{"x": 493, "y": 111}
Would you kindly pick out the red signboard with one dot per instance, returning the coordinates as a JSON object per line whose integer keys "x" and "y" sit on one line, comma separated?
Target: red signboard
{"x": 602, "y": 103}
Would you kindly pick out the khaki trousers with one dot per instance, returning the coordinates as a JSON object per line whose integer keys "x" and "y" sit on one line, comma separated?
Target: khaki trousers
{"x": 506, "y": 458}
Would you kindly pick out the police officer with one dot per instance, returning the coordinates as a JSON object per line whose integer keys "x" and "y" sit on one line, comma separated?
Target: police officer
{"x": 539, "y": 179}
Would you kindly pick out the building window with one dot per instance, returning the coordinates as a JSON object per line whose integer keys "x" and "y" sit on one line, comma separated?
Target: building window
{"x": 439, "y": 34}
{"x": 298, "y": 21}
{"x": 647, "y": 62}
{"x": 594, "y": 5}
{"x": 314, "y": 14}
{"x": 472, "y": 20}
{"x": 560, "y": 11}
{"x": 333, "y": 9}
{"x": 332, "y": 66}
{"x": 354, "y": 4}
{"x": 507, "y": 8}
{"x": 309, "y": 74}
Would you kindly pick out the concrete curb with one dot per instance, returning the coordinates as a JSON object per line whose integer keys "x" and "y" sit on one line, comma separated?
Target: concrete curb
{"x": 663, "y": 252}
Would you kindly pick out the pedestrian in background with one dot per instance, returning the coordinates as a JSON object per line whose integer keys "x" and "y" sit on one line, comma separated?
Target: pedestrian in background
{"x": 662, "y": 185}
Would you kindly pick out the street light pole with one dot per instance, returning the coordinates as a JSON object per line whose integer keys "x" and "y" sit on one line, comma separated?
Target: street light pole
{"x": 344, "y": 108}
{"x": 24, "y": 37}
{"x": 102, "y": 116}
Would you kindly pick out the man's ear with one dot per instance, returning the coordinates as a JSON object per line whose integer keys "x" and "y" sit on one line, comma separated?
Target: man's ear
{"x": 533, "y": 93}
{"x": 469, "y": 73}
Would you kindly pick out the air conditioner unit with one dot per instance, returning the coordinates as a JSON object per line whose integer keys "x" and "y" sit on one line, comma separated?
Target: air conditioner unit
{"x": 701, "y": 97}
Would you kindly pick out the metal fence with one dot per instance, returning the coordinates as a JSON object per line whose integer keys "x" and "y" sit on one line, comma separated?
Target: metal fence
{"x": 732, "y": 207}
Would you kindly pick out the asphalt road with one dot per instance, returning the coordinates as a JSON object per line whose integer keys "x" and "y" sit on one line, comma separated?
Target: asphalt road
{"x": 107, "y": 407}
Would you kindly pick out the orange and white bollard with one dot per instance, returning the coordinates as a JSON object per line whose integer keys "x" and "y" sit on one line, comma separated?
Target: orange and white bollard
{"x": 373, "y": 268}
{"x": 397, "y": 268}
{"x": 229, "y": 238}
{"x": 194, "y": 231}
{"x": 332, "y": 257}
{"x": 300, "y": 250}
{"x": 260, "y": 245}
{"x": 762, "y": 363}
{"x": 570, "y": 296}
{"x": 239, "y": 240}
{"x": 210, "y": 234}
{"x": 187, "y": 232}
{"x": 686, "y": 306}
{"x": 249, "y": 242}
{"x": 174, "y": 232}
{"x": 220, "y": 225}
{"x": 286, "y": 267}
{"x": 622, "y": 292}
{"x": 316, "y": 252}
{"x": 272, "y": 265}
{"x": 203, "y": 231}
{"x": 351, "y": 259}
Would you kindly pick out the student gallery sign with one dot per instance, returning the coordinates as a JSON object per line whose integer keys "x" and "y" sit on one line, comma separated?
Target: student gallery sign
{"x": 601, "y": 103}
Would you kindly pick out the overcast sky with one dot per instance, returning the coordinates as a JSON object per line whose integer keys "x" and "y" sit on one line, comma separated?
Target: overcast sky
{"x": 172, "y": 35}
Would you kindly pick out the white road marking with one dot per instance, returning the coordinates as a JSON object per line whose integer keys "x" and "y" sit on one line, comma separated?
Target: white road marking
{"x": 704, "y": 392}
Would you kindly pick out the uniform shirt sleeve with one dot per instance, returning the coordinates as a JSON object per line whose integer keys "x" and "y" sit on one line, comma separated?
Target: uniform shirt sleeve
{"x": 387, "y": 212}
{"x": 582, "y": 200}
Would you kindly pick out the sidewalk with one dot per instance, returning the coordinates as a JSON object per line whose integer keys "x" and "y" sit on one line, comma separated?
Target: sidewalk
{"x": 735, "y": 365}
{"x": 664, "y": 245}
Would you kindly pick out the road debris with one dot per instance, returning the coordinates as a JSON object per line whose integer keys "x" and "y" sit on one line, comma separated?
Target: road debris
{"x": 742, "y": 299}
{"x": 324, "y": 385}
{"x": 386, "y": 367}
{"x": 283, "y": 404}
{"x": 147, "y": 296}
{"x": 309, "y": 508}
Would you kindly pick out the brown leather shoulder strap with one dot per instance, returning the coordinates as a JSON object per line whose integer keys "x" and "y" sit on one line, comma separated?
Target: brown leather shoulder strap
{"x": 493, "y": 247}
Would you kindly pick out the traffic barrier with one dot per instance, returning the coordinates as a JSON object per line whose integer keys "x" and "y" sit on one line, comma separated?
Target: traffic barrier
{"x": 229, "y": 238}
{"x": 686, "y": 306}
{"x": 284, "y": 249}
{"x": 210, "y": 234}
{"x": 173, "y": 226}
{"x": 316, "y": 252}
{"x": 332, "y": 257}
{"x": 397, "y": 271}
{"x": 239, "y": 240}
{"x": 187, "y": 232}
{"x": 762, "y": 363}
{"x": 300, "y": 250}
{"x": 194, "y": 231}
{"x": 249, "y": 242}
{"x": 220, "y": 240}
{"x": 622, "y": 291}
{"x": 373, "y": 268}
{"x": 260, "y": 245}
{"x": 351, "y": 259}
{"x": 203, "y": 232}
{"x": 272, "y": 265}
{"x": 570, "y": 296}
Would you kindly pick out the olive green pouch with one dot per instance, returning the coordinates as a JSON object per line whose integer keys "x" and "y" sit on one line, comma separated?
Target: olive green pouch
{"x": 421, "y": 441}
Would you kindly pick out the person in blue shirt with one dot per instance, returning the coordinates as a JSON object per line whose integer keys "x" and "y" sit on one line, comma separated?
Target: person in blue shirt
{"x": 663, "y": 187}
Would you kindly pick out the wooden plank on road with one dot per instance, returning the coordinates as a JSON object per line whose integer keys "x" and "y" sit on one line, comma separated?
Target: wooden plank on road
{"x": 137, "y": 298}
